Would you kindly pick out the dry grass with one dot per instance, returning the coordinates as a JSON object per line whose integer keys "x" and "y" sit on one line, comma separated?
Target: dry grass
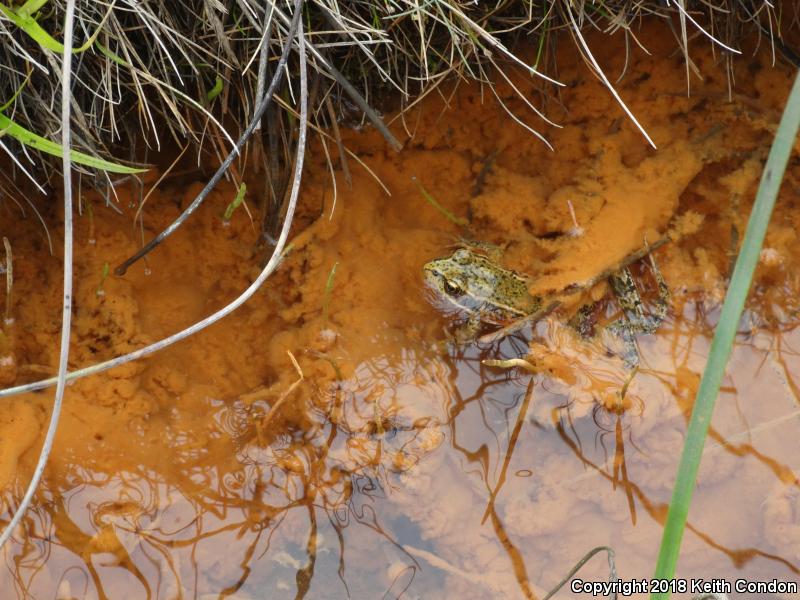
{"x": 154, "y": 74}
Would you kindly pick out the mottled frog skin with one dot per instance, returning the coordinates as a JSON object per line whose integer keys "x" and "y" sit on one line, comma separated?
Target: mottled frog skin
{"x": 473, "y": 285}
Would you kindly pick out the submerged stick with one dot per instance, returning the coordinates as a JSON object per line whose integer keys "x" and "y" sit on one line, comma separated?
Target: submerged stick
{"x": 215, "y": 179}
{"x": 9, "y": 278}
{"x": 612, "y": 568}
{"x": 286, "y": 393}
{"x": 269, "y": 268}
{"x": 337, "y": 134}
{"x": 573, "y": 289}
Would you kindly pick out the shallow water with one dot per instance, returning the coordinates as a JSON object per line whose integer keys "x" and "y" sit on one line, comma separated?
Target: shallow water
{"x": 400, "y": 465}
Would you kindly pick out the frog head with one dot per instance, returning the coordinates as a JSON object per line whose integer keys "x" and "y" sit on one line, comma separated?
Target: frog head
{"x": 470, "y": 283}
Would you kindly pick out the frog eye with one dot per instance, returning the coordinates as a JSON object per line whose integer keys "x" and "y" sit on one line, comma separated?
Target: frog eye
{"x": 452, "y": 288}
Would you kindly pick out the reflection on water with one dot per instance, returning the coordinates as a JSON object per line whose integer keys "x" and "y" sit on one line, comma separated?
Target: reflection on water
{"x": 431, "y": 475}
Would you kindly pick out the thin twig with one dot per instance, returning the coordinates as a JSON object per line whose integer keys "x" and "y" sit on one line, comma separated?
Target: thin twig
{"x": 338, "y": 136}
{"x": 63, "y": 358}
{"x": 351, "y": 91}
{"x": 288, "y": 392}
{"x": 170, "y": 229}
{"x": 582, "y": 42}
{"x": 138, "y": 215}
{"x": 612, "y": 568}
{"x": 269, "y": 268}
{"x": 9, "y": 279}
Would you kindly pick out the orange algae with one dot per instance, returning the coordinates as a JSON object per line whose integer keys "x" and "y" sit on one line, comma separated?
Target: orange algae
{"x": 394, "y": 460}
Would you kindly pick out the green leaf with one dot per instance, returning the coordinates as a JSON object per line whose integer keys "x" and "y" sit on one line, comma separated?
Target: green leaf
{"x": 29, "y": 25}
{"x": 32, "y": 140}
{"x": 328, "y": 292}
{"x": 435, "y": 204}
{"x": 723, "y": 337}
{"x": 215, "y": 91}
{"x": 31, "y": 6}
{"x": 106, "y": 269}
{"x": 16, "y": 93}
{"x": 23, "y": 19}
{"x": 110, "y": 55}
{"x": 237, "y": 201}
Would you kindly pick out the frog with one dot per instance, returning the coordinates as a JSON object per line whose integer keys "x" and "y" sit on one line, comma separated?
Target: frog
{"x": 472, "y": 283}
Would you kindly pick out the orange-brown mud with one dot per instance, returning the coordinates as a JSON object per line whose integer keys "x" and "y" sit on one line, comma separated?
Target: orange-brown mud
{"x": 400, "y": 465}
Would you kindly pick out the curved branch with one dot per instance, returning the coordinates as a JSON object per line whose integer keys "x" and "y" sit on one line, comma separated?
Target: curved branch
{"x": 270, "y": 267}
{"x": 61, "y": 379}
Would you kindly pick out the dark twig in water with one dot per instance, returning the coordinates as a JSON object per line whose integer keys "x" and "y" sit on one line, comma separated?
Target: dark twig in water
{"x": 612, "y": 569}
{"x": 9, "y": 279}
{"x": 626, "y": 262}
{"x": 215, "y": 179}
{"x": 286, "y": 393}
{"x": 518, "y": 324}
{"x": 486, "y": 167}
{"x": 512, "y": 443}
{"x": 338, "y": 136}
{"x": 270, "y": 267}
{"x": 573, "y": 289}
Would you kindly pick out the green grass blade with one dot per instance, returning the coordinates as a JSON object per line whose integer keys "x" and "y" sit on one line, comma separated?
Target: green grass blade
{"x": 31, "y": 6}
{"x": 17, "y": 92}
{"x": 235, "y": 203}
{"x": 29, "y": 25}
{"x": 8, "y": 127}
{"x": 214, "y": 91}
{"x": 110, "y": 55}
{"x": 23, "y": 19}
{"x": 724, "y": 336}
{"x": 328, "y": 293}
{"x": 435, "y": 204}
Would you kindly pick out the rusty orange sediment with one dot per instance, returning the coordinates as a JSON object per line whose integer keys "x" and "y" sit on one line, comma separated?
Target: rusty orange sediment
{"x": 167, "y": 477}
